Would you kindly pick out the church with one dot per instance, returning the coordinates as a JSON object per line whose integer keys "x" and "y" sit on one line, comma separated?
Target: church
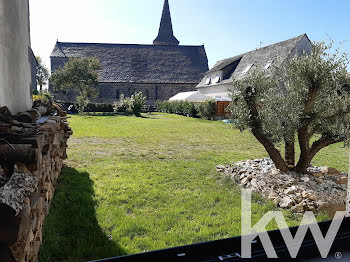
{"x": 159, "y": 71}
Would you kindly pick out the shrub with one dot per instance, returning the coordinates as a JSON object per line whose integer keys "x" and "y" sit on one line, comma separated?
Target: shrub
{"x": 207, "y": 109}
{"x": 185, "y": 108}
{"x": 137, "y": 101}
{"x": 133, "y": 104}
{"x": 44, "y": 96}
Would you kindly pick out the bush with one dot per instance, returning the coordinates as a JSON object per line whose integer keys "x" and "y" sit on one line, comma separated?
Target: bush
{"x": 103, "y": 107}
{"x": 207, "y": 109}
{"x": 122, "y": 105}
{"x": 44, "y": 96}
{"x": 133, "y": 104}
{"x": 137, "y": 102}
{"x": 191, "y": 109}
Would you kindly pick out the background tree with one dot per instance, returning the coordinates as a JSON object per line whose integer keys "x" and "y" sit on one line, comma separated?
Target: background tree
{"x": 308, "y": 98}
{"x": 42, "y": 73}
{"x": 80, "y": 75}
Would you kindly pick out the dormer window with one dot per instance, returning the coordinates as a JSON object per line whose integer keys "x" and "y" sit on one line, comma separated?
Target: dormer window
{"x": 248, "y": 67}
{"x": 208, "y": 81}
{"x": 268, "y": 65}
{"x": 217, "y": 79}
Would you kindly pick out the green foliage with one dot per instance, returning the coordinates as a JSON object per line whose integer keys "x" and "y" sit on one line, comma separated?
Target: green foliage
{"x": 133, "y": 104}
{"x": 137, "y": 101}
{"x": 207, "y": 109}
{"x": 42, "y": 73}
{"x": 80, "y": 75}
{"x": 306, "y": 97}
{"x": 122, "y": 105}
{"x": 99, "y": 107}
{"x": 186, "y": 108}
{"x": 44, "y": 96}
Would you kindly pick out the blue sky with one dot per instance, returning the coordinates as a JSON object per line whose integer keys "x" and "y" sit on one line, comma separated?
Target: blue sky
{"x": 225, "y": 27}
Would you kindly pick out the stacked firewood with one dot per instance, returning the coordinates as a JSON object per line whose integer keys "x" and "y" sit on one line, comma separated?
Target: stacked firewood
{"x": 32, "y": 148}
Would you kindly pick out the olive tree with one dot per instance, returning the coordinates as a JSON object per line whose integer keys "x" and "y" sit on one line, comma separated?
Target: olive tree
{"x": 306, "y": 100}
{"x": 80, "y": 75}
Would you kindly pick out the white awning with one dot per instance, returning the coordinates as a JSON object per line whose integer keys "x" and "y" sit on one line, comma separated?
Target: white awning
{"x": 194, "y": 96}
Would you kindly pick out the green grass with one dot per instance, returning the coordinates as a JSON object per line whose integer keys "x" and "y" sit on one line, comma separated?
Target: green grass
{"x": 139, "y": 184}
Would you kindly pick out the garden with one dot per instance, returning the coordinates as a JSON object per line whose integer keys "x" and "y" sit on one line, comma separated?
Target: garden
{"x": 136, "y": 184}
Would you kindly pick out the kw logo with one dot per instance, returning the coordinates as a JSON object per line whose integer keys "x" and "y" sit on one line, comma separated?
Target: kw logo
{"x": 249, "y": 233}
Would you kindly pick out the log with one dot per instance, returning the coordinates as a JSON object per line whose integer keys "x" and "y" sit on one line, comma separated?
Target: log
{"x": 24, "y": 117}
{"x": 9, "y": 225}
{"x": 17, "y": 189}
{"x": 5, "y": 254}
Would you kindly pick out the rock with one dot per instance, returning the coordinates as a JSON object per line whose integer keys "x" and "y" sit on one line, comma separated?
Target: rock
{"x": 273, "y": 195}
{"x": 254, "y": 183}
{"x": 242, "y": 171}
{"x": 342, "y": 180}
{"x": 250, "y": 177}
{"x": 242, "y": 176}
{"x": 277, "y": 200}
{"x": 274, "y": 172}
{"x": 286, "y": 202}
{"x": 297, "y": 209}
{"x": 220, "y": 168}
{"x": 244, "y": 181}
{"x": 305, "y": 179}
{"x": 305, "y": 194}
{"x": 311, "y": 197}
{"x": 330, "y": 171}
{"x": 298, "y": 199}
{"x": 290, "y": 190}
{"x": 261, "y": 183}
{"x": 318, "y": 175}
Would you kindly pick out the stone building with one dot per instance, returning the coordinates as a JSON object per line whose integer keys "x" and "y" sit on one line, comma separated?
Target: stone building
{"x": 159, "y": 71}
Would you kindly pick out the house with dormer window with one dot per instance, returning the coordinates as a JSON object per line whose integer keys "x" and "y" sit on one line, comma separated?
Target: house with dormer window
{"x": 218, "y": 81}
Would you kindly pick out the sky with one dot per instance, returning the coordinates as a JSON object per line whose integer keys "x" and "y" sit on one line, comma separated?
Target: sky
{"x": 225, "y": 27}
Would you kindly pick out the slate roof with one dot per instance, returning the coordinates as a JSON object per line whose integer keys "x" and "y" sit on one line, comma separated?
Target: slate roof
{"x": 277, "y": 53}
{"x": 128, "y": 63}
{"x": 166, "y": 34}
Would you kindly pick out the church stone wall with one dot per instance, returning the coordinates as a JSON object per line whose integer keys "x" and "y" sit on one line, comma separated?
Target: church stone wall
{"x": 110, "y": 92}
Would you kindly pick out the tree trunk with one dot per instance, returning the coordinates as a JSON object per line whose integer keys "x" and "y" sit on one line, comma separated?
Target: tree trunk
{"x": 41, "y": 87}
{"x": 289, "y": 155}
{"x": 271, "y": 150}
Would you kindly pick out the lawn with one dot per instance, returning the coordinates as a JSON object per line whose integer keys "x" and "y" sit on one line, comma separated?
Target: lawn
{"x": 138, "y": 184}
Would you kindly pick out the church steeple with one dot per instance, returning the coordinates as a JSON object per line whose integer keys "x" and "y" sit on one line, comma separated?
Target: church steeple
{"x": 166, "y": 35}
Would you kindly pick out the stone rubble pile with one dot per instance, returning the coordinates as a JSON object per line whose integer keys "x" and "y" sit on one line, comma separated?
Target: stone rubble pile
{"x": 32, "y": 149}
{"x": 323, "y": 189}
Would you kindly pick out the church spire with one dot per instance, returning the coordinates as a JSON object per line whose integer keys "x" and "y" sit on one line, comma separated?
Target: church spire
{"x": 166, "y": 35}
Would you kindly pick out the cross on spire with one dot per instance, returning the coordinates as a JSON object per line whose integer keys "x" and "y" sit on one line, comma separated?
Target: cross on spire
{"x": 165, "y": 34}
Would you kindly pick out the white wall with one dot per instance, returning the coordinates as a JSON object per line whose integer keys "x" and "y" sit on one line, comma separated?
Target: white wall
{"x": 15, "y": 69}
